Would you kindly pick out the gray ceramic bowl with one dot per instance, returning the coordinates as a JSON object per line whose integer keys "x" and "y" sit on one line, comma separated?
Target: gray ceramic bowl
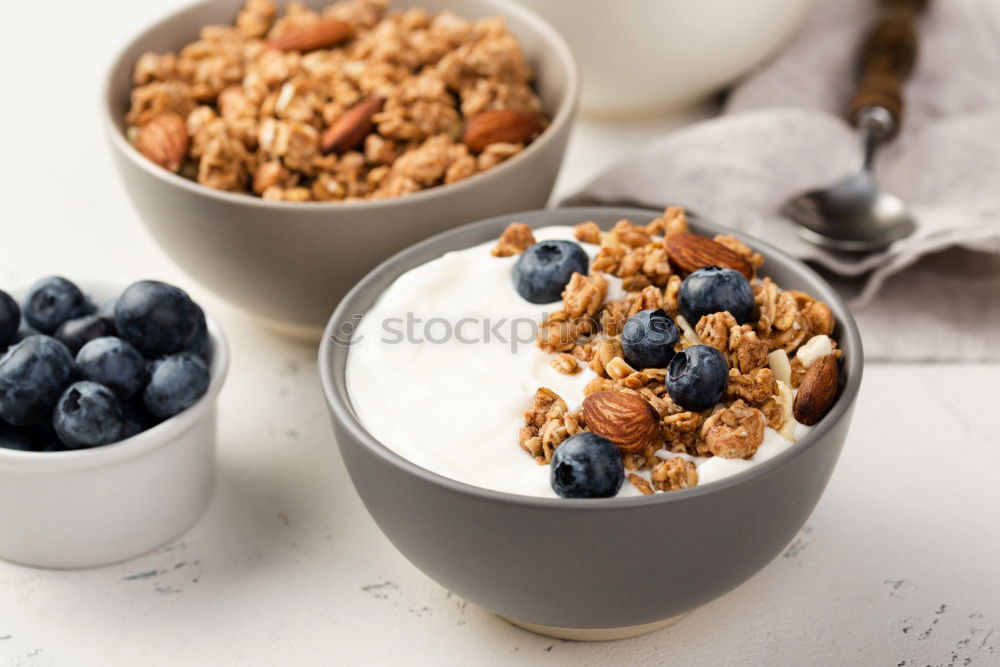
{"x": 621, "y": 564}
{"x": 290, "y": 263}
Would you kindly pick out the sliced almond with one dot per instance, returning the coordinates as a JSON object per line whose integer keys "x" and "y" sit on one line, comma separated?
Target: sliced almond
{"x": 164, "y": 140}
{"x": 817, "y": 391}
{"x": 784, "y": 400}
{"x": 641, "y": 484}
{"x": 688, "y": 335}
{"x": 500, "y": 126}
{"x": 311, "y": 36}
{"x": 778, "y": 362}
{"x": 351, "y": 128}
{"x": 690, "y": 252}
{"x": 624, "y": 419}
{"x": 813, "y": 349}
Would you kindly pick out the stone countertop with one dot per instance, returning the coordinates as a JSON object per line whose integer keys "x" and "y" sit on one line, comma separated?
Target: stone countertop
{"x": 897, "y": 566}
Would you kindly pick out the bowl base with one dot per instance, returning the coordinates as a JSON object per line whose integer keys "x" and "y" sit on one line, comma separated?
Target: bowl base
{"x": 682, "y": 107}
{"x": 300, "y": 333}
{"x": 594, "y": 634}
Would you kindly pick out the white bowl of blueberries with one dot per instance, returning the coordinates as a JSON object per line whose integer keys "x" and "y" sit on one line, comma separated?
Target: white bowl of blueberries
{"x": 107, "y": 420}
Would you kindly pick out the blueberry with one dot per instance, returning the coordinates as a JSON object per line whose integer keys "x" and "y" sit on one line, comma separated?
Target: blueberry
{"x": 10, "y": 320}
{"x": 88, "y": 415}
{"x": 114, "y": 363}
{"x": 11, "y": 438}
{"x": 32, "y": 375}
{"x": 587, "y": 466}
{"x": 134, "y": 420}
{"x": 697, "y": 377}
{"x": 26, "y": 330}
{"x": 44, "y": 436}
{"x": 543, "y": 270}
{"x": 200, "y": 344}
{"x": 38, "y": 438}
{"x": 107, "y": 309}
{"x": 176, "y": 384}
{"x": 76, "y": 333}
{"x": 157, "y": 318}
{"x": 713, "y": 290}
{"x": 53, "y": 300}
{"x": 648, "y": 339}
{"x": 53, "y": 446}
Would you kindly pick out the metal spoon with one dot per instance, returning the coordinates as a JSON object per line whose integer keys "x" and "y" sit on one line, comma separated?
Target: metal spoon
{"x": 855, "y": 214}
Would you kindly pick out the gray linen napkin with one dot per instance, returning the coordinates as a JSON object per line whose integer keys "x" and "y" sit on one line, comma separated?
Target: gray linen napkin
{"x": 933, "y": 296}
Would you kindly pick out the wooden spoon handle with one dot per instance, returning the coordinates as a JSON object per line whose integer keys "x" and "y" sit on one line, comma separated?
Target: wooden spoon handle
{"x": 887, "y": 56}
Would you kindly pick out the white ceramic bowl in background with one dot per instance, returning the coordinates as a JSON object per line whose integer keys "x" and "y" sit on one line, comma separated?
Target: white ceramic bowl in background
{"x": 97, "y": 506}
{"x": 640, "y": 56}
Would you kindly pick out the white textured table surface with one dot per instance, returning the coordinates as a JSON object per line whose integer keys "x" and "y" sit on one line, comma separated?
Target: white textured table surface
{"x": 899, "y": 564}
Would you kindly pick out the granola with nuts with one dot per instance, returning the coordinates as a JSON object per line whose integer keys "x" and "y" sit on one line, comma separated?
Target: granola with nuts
{"x": 755, "y": 387}
{"x": 547, "y": 423}
{"x": 674, "y": 473}
{"x": 351, "y": 102}
{"x": 584, "y": 295}
{"x": 734, "y": 432}
{"x": 640, "y": 483}
{"x": 516, "y": 238}
{"x": 631, "y": 271}
{"x": 566, "y": 363}
{"x": 588, "y": 232}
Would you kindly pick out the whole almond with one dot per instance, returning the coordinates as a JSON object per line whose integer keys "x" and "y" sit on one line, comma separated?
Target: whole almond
{"x": 817, "y": 391}
{"x": 311, "y": 36}
{"x": 164, "y": 140}
{"x": 501, "y": 125}
{"x": 690, "y": 252}
{"x": 351, "y": 128}
{"x": 624, "y": 419}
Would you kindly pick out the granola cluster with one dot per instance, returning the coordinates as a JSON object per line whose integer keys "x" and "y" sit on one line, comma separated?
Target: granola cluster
{"x": 548, "y": 423}
{"x": 351, "y": 102}
{"x": 767, "y": 357}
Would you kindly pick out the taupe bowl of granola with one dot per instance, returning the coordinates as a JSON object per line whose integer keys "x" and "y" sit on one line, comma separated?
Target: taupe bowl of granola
{"x": 434, "y": 450}
{"x": 277, "y": 154}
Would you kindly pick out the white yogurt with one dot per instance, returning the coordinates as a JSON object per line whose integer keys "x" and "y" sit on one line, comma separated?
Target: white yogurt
{"x": 451, "y": 395}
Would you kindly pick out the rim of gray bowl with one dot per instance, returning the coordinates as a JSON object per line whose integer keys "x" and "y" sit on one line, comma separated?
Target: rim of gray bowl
{"x": 564, "y": 114}
{"x": 339, "y": 402}
{"x": 158, "y": 436}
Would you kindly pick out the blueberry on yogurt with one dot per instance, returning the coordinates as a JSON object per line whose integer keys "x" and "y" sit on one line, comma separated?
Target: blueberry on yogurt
{"x": 53, "y": 300}
{"x": 544, "y": 269}
{"x": 157, "y": 318}
{"x": 32, "y": 375}
{"x": 587, "y": 466}
{"x": 648, "y": 339}
{"x": 697, "y": 377}
{"x": 713, "y": 290}
{"x": 87, "y": 415}
{"x": 176, "y": 384}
